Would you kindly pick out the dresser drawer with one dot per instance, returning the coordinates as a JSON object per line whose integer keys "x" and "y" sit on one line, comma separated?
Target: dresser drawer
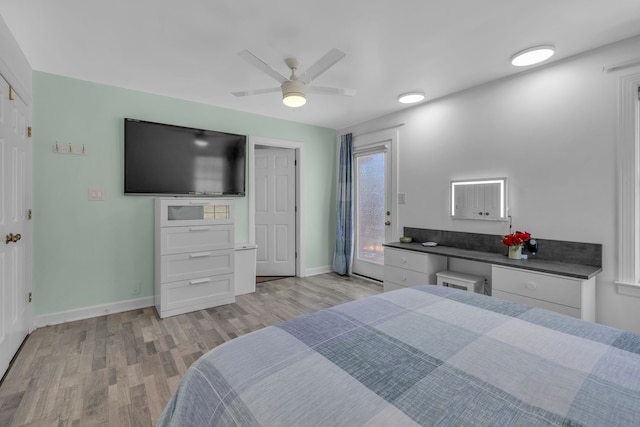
{"x": 193, "y": 211}
{"x": 539, "y": 286}
{"x": 423, "y": 263}
{"x": 406, "y": 278}
{"x": 175, "y": 240}
{"x": 199, "y": 292}
{"x": 195, "y": 265}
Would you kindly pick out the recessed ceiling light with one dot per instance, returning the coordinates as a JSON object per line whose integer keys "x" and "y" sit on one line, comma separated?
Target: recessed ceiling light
{"x": 411, "y": 97}
{"x": 531, "y": 56}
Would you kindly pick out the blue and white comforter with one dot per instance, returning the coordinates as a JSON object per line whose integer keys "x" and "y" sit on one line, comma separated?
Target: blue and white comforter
{"x": 421, "y": 356}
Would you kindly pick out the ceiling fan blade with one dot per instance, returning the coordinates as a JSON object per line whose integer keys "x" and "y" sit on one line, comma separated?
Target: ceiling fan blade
{"x": 259, "y": 63}
{"x": 322, "y": 65}
{"x": 256, "y": 91}
{"x": 331, "y": 90}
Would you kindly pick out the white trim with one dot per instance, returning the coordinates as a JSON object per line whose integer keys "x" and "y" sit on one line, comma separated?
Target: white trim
{"x": 630, "y": 289}
{"x": 379, "y": 130}
{"x": 622, "y": 65}
{"x": 318, "y": 270}
{"x": 93, "y": 311}
{"x": 300, "y": 199}
{"x": 628, "y": 147}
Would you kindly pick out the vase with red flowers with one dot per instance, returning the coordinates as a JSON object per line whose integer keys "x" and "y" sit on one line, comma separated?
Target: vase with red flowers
{"x": 516, "y": 241}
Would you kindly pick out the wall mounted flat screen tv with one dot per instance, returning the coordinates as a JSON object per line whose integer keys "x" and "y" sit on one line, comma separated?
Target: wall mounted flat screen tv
{"x": 176, "y": 160}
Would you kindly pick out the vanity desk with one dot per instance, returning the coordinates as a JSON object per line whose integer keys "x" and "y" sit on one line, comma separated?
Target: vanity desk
{"x": 564, "y": 287}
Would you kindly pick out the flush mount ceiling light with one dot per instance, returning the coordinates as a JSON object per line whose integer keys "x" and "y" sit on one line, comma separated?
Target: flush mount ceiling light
{"x": 531, "y": 56}
{"x": 411, "y": 97}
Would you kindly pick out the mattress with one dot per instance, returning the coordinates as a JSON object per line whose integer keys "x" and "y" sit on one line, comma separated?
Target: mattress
{"x": 427, "y": 355}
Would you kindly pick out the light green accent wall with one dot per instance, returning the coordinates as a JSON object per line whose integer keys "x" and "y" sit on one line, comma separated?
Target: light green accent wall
{"x": 91, "y": 253}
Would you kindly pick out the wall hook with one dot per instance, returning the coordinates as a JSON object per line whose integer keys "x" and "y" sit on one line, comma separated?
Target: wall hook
{"x": 70, "y": 149}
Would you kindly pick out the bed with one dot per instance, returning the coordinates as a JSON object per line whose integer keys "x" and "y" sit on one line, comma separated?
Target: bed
{"x": 427, "y": 355}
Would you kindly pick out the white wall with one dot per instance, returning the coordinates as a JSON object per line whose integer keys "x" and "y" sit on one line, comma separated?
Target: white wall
{"x": 552, "y": 132}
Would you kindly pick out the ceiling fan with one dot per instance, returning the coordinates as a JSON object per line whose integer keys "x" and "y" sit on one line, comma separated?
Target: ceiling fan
{"x": 294, "y": 89}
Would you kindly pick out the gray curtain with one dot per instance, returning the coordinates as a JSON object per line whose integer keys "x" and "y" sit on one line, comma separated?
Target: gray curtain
{"x": 344, "y": 217}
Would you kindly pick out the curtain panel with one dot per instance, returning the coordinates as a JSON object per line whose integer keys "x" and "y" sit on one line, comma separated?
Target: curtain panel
{"x": 344, "y": 218}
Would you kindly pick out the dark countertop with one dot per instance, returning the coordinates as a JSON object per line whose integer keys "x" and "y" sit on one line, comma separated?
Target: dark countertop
{"x": 560, "y": 268}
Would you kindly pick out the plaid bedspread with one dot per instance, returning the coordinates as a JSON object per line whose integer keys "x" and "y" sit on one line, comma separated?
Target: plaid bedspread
{"x": 429, "y": 356}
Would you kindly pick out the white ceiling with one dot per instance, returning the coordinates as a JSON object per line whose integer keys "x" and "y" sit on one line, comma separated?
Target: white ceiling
{"x": 188, "y": 49}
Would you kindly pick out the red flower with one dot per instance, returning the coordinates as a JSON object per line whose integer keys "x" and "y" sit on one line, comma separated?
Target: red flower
{"x": 516, "y": 239}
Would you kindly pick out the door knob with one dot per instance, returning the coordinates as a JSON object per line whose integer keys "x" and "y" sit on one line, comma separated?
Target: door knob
{"x": 11, "y": 238}
{"x": 387, "y": 223}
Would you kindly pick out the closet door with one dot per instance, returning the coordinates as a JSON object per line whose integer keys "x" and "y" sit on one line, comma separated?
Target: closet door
{"x": 275, "y": 193}
{"x": 15, "y": 226}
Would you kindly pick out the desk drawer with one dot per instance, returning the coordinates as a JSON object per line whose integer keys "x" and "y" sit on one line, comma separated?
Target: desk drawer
{"x": 422, "y": 263}
{"x": 540, "y": 286}
{"x": 389, "y": 286}
{"x": 407, "y": 278}
{"x": 563, "y": 309}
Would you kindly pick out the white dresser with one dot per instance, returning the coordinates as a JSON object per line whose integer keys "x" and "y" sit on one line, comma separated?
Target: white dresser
{"x": 562, "y": 294}
{"x": 194, "y": 254}
{"x": 406, "y": 268}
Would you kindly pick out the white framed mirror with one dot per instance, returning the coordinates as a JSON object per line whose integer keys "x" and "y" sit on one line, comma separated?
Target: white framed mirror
{"x": 484, "y": 199}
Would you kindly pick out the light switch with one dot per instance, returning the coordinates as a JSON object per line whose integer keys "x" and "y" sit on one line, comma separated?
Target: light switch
{"x": 96, "y": 195}
{"x": 402, "y": 198}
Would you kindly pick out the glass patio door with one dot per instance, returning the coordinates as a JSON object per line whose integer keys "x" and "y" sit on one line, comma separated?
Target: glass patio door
{"x": 372, "y": 210}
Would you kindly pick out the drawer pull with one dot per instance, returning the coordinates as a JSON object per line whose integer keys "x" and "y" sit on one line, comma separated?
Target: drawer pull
{"x": 403, "y": 278}
{"x": 404, "y": 260}
{"x": 201, "y": 229}
{"x": 199, "y": 203}
{"x": 531, "y": 286}
{"x": 199, "y": 281}
{"x": 200, "y": 255}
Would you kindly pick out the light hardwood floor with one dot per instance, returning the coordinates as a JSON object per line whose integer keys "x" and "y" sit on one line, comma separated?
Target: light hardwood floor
{"x": 121, "y": 369}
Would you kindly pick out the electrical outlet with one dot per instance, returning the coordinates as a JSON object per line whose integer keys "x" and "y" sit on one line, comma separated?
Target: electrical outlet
{"x": 96, "y": 195}
{"x": 402, "y": 198}
{"x": 136, "y": 288}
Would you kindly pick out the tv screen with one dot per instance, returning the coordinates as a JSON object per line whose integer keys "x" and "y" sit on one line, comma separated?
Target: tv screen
{"x": 175, "y": 160}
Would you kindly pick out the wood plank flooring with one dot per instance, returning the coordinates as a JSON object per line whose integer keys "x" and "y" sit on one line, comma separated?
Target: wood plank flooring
{"x": 121, "y": 369}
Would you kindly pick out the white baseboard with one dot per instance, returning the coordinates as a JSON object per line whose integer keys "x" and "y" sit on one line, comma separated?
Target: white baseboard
{"x": 93, "y": 311}
{"x": 120, "y": 306}
{"x": 318, "y": 270}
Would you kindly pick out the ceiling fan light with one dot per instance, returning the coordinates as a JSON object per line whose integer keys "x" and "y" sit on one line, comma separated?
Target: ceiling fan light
{"x": 411, "y": 97}
{"x": 294, "y": 101}
{"x": 294, "y": 93}
{"x": 532, "y": 56}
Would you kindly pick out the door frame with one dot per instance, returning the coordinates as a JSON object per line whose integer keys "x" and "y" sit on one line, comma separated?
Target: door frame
{"x": 300, "y": 201}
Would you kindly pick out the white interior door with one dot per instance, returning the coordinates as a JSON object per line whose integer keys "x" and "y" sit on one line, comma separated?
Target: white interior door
{"x": 373, "y": 209}
{"x": 15, "y": 228}
{"x": 275, "y": 215}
